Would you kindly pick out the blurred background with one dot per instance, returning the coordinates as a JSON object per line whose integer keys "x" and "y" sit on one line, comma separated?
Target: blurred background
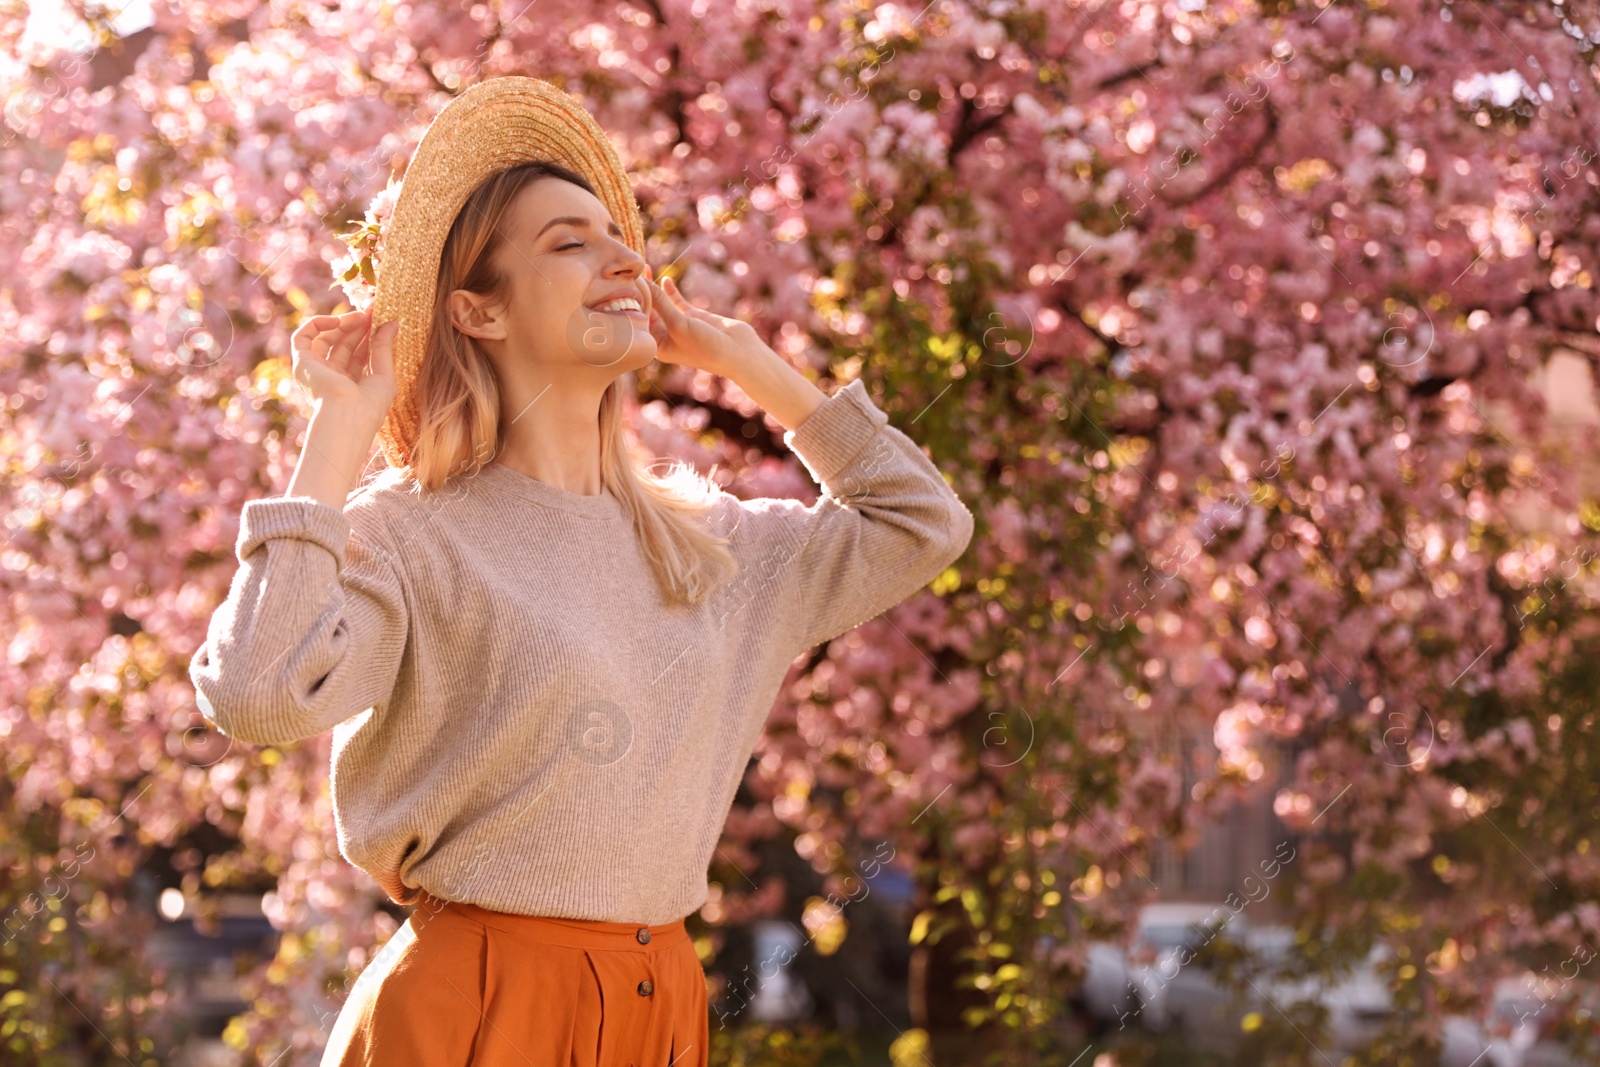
{"x": 1256, "y": 726}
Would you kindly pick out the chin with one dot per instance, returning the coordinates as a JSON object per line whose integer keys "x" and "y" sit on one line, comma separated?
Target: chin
{"x": 636, "y": 359}
{"x": 640, "y": 354}
{"x": 608, "y": 343}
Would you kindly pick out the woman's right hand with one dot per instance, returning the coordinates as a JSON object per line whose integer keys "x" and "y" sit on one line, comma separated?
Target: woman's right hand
{"x": 330, "y": 360}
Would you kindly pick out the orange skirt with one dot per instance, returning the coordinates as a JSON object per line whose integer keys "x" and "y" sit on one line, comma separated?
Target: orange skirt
{"x": 465, "y": 986}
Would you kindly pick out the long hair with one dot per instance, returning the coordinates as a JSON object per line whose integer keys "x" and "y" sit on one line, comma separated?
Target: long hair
{"x": 458, "y": 396}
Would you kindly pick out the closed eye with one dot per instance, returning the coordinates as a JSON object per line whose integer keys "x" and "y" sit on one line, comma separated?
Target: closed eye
{"x": 575, "y": 244}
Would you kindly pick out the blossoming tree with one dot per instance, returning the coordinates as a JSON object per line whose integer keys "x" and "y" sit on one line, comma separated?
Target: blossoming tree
{"x": 1225, "y": 318}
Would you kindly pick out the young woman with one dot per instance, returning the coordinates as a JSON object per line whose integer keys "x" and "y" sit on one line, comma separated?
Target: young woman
{"x": 545, "y": 668}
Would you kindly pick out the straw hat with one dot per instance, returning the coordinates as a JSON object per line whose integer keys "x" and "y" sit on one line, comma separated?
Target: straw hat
{"x": 492, "y": 126}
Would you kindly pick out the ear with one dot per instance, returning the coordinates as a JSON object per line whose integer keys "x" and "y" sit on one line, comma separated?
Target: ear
{"x": 472, "y": 315}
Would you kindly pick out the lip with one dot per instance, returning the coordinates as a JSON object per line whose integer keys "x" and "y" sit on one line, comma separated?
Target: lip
{"x": 629, "y": 312}
{"x": 621, "y": 294}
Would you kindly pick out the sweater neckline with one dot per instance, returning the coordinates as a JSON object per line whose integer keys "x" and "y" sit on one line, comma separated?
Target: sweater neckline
{"x": 601, "y": 505}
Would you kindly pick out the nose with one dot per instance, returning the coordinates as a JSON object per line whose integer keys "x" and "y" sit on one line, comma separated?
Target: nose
{"x": 626, "y": 262}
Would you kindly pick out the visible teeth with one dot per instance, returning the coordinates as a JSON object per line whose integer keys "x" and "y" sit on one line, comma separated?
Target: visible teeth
{"x": 619, "y": 304}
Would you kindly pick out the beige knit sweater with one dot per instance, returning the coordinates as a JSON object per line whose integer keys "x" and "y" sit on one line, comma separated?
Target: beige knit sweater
{"x": 520, "y": 722}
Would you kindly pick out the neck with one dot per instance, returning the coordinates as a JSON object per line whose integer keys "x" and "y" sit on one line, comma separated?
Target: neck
{"x": 553, "y": 436}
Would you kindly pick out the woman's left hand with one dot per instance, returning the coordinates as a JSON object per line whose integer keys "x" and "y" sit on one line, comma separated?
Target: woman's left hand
{"x": 696, "y": 338}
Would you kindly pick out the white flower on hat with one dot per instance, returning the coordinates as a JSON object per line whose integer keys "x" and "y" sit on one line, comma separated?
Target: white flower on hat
{"x": 357, "y": 270}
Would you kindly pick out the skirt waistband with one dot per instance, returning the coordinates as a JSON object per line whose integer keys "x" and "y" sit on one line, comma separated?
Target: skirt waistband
{"x": 576, "y": 933}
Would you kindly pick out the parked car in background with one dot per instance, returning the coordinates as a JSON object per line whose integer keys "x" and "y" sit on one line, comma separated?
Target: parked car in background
{"x": 1357, "y": 999}
{"x": 1126, "y": 986}
{"x": 1518, "y": 1028}
{"x": 1257, "y": 970}
{"x": 1107, "y": 994}
{"x": 1167, "y": 935}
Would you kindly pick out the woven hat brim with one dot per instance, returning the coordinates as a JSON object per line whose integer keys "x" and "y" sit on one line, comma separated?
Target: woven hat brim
{"x": 491, "y": 127}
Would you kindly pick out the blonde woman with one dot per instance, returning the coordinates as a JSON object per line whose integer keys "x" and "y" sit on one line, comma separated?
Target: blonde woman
{"x": 544, "y": 667}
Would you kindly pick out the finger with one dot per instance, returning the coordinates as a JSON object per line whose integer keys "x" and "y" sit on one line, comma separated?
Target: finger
{"x": 339, "y": 357}
{"x": 680, "y": 303}
{"x": 709, "y": 317}
{"x": 383, "y": 348}
{"x": 662, "y": 304}
{"x": 675, "y": 294}
{"x": 303, "y": 341}
{"x": 358, "y": 357}
{"x": 321, "y": 343}
{"x": 376, "y": 347}
{"x": 658, "y": 328}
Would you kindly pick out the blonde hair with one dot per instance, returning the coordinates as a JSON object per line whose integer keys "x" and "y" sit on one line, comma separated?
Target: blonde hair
{"x": 458, "y": 397}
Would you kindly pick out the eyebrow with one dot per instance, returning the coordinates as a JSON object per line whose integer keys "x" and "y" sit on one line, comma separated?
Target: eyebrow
{"x": 573, "y": 220}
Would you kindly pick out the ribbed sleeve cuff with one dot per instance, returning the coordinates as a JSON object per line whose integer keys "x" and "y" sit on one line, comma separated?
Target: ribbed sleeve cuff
{"x": 836, "y": 432}
{"x": 292, "y": 516}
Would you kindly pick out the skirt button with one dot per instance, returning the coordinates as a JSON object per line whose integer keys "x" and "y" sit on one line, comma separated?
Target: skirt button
{"x": 643, "y": 935}
{"x": 645, "y": 987}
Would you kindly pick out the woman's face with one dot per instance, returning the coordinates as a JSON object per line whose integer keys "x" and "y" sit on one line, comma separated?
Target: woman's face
{"x": 564, "y": 257}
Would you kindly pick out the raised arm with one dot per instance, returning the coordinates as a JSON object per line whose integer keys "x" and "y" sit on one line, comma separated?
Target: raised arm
{"x": 313, "y": 628}
{"x": 315, "y": 623}
{"x": 886, "y": 524}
